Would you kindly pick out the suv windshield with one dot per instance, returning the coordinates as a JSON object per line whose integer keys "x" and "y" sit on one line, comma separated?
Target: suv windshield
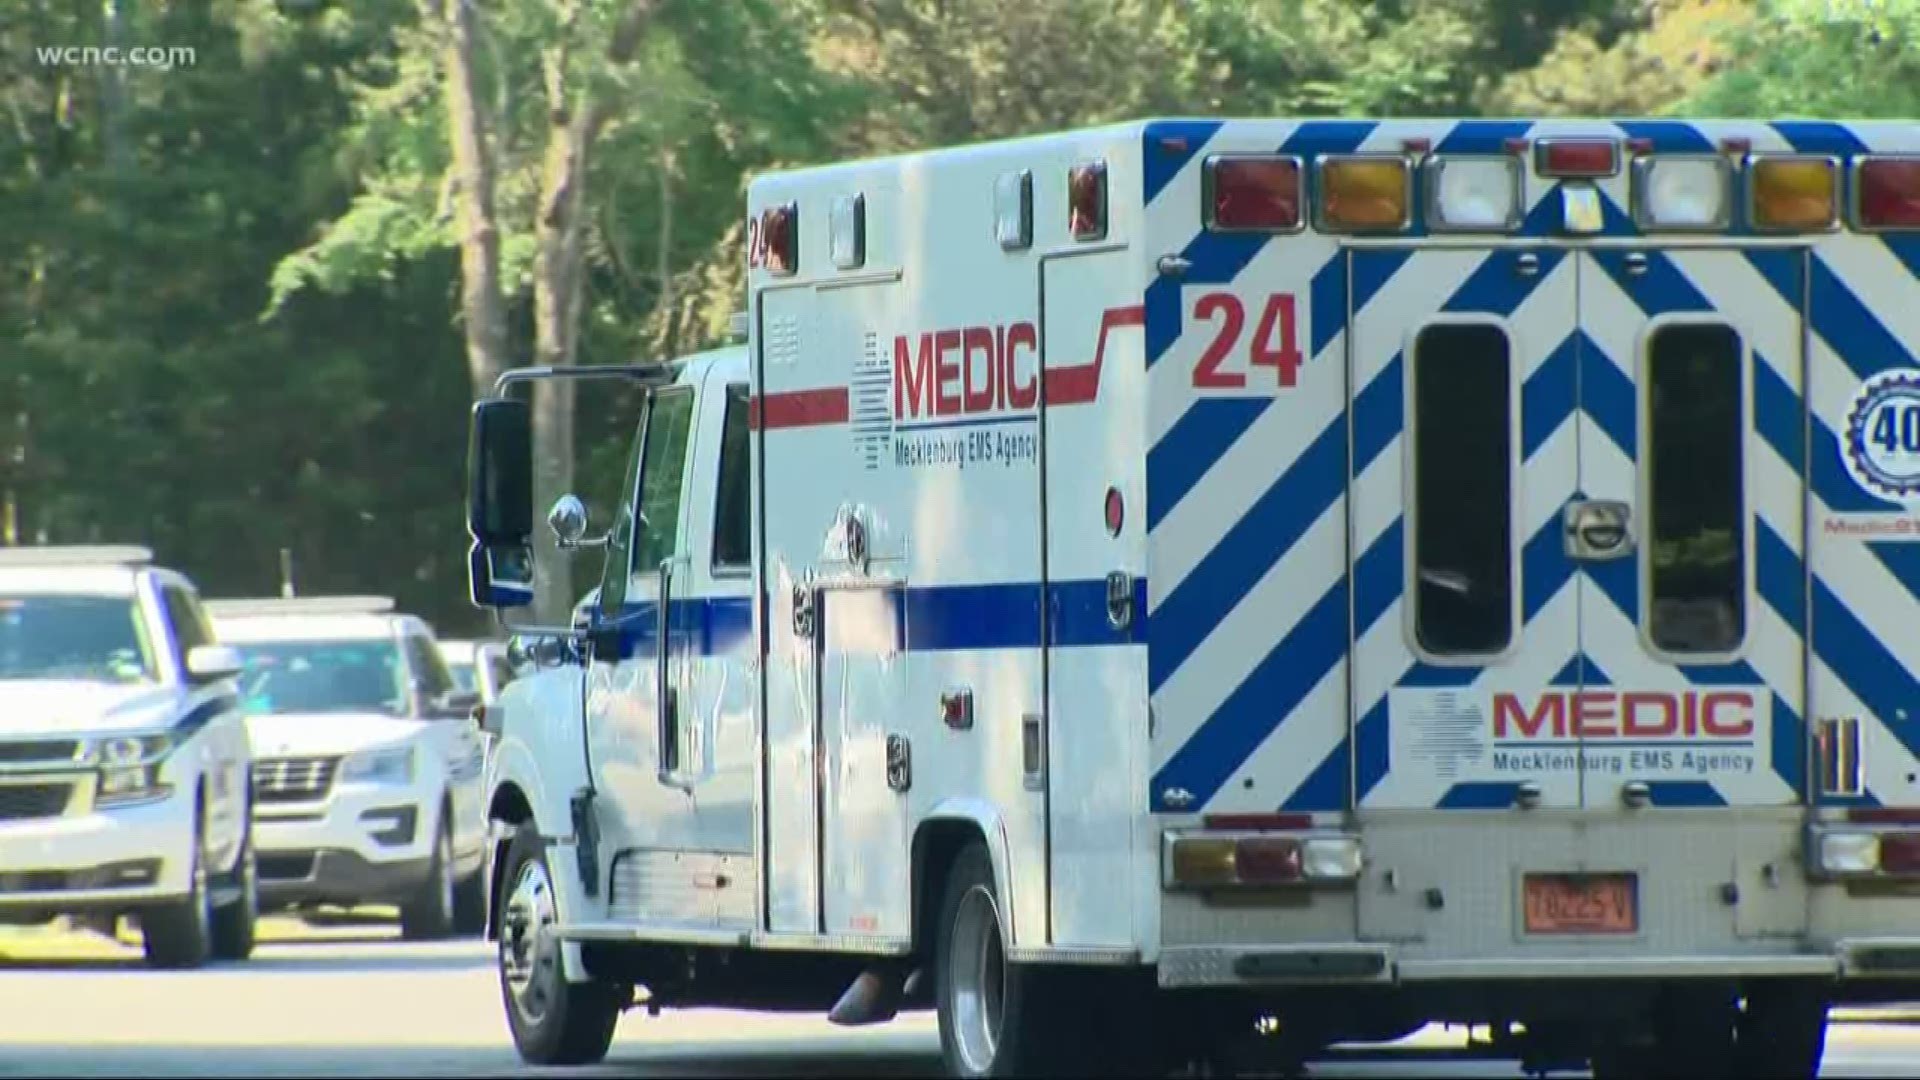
{"x": 323, "y": 677}
{"x": 100, "y": 638}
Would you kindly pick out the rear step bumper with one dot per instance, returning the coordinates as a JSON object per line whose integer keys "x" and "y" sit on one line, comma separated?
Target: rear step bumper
{"x": 1362, "y": 965}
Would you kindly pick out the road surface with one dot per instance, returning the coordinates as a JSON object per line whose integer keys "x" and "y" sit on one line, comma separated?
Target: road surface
{"x": 354, "y": 1002}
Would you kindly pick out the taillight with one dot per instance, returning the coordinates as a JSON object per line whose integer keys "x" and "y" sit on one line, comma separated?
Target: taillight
{"x": 1087, "y": 200}
{"x": 1576, "y": 159}
{"x": 1212, "y": 862}
{"x": 1886, "y": 192}
{"x": 1792, "y": 193}
{"x": 1900, "y": 852}
{"x": 1365, "y": 193}
{"x": 1253, "y": 193}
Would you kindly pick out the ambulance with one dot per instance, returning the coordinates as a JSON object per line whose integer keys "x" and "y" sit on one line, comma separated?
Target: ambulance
{"x": 1211, "y": 590}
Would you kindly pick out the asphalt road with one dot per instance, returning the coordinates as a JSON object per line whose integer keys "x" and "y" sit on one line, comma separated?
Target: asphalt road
{"x": 353, "y": 1002}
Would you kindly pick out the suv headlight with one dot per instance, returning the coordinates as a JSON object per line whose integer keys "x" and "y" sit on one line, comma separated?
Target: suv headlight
{"x": 393, "y": 766}
{"x": 130, "y": 769}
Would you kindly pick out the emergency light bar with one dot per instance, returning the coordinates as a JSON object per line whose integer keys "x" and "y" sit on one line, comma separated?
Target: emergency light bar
{"x": 1886, "y": 192}
{"x": 300, "y": 605}
{"x": 1207, "y": 862}
{"x": 76, "y": 555}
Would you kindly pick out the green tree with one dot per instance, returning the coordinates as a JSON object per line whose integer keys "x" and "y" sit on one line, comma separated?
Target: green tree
{"x": 1832, "y": 59}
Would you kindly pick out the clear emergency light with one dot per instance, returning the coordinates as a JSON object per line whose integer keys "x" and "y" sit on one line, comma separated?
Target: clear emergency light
{"x": 1682, "y": 191}
{"x": 1474, "y": 193}
{"x": 1794, "y": 192}
{"x": 847, "y": 231}
{"x": 1253, "y": 193}
{"x": 1362, "y": 193}
{"x": 1087, "y": 201}
{"x": 1886, "y": 192}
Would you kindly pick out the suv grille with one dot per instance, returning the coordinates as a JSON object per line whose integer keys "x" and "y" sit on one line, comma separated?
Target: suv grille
{"x": 39, "y": 752}
{"x": 25, "y": 802}
{"x": 292, "y": 780}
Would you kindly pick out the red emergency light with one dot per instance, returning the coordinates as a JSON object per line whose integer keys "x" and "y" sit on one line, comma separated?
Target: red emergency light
{"x": 780, "y": 238}
{"x": 1253, "y": 193}
{"x": 1887, "y": 192}
{"x": 1576, "y": 159}
{"x": 1087, "y": 200}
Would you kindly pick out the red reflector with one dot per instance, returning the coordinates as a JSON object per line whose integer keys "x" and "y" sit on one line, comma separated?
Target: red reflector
{"x": 1576, "y": 158}
{"x": 1257, "y": 821}
{"x": 1640, "y": 145}
{"x": 1883, "y": 815}
{"x": 1256, "y": 193}
{"x": 1900, "y": 852}
{"x": 1889, "y": 193}
{"x": 1116, "y": 511}
{"x": 1262, "y": 861}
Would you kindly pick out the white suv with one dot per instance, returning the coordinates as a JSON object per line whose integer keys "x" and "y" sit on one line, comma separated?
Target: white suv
{"x": 367, "y": 765}
{"x": 123, "y": 756}
{"x": 479, "y": 666}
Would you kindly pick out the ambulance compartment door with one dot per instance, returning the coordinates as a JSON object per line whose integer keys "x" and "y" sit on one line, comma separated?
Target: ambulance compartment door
{"x": 1466, "y": 614}
{"x": 1095, "y": 722}
{"x": 1691, "y": 450}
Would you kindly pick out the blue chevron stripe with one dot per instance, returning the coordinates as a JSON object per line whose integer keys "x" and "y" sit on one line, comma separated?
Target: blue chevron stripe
{"x": 1160, "y": 166}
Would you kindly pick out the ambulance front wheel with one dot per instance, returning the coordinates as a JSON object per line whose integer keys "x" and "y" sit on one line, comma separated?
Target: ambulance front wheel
{"x": 996, "y": 1018}
{"x": 554, "y": 1022}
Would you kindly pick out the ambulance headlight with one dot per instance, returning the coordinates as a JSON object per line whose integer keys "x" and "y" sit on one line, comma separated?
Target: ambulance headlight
{"x": 1681, "y": 191}
{"x": 1475, "y": 193}
{"x": 1849, "y": 852}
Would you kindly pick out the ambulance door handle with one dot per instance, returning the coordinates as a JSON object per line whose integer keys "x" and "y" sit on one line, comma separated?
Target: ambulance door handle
{"x": 1636, "y": 262}
{"x": 1528, "y": 264}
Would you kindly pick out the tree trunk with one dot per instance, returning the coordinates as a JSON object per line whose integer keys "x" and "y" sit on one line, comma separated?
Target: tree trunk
{"x": 482, "y": 307}
{"x": 559, "y": 294}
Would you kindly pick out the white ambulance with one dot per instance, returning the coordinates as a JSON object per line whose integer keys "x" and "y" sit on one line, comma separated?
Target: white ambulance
{"x": 123, "y": 756}
{"x": 1212, "y": 589}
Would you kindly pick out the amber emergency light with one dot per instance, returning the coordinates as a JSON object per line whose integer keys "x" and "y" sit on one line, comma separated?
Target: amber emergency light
{"x": 1365, "y": 193}
{"x": 1794, "y": 193}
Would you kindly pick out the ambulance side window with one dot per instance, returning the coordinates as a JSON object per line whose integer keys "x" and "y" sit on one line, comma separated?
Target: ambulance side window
{"x": 1462, "y": 441}
{"x": 1696, "y": 512}
{"x": 663, "y": 473}
{"x": 733, "y": 513}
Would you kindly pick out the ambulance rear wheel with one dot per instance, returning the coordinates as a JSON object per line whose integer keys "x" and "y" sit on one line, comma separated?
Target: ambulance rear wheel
{"x": 996, "y": 1018}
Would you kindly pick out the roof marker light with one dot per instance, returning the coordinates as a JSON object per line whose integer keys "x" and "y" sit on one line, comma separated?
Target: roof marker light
{"x": 1087, "y": 201}
{"x": 1886, "y": 192}
{"x": 1252, "y": 193}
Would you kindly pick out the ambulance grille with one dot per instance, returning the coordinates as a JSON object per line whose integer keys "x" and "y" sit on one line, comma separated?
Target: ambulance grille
{"x": 293, "y": 780}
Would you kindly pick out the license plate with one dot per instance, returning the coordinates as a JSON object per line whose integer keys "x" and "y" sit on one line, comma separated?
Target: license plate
{"x": 1581, "y": 903}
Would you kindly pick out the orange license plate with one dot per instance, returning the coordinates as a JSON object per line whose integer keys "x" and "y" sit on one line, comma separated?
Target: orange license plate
{"x": 1582, "y": 903}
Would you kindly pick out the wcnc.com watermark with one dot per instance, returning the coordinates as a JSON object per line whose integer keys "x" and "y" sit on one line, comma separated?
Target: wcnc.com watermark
{"x": 153, "y": 56}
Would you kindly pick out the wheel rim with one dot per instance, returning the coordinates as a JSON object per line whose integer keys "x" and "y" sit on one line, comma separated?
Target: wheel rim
{"x": 529, "y": 953}
{"x": 977, "y": 980}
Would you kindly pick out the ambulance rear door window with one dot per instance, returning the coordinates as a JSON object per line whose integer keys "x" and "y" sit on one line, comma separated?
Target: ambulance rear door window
{"x": 1696, "y": 491}
{"x": 1461, "y": 431}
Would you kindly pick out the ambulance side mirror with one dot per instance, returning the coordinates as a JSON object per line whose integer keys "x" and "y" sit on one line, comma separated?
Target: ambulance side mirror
{"x": 500, "y": 503}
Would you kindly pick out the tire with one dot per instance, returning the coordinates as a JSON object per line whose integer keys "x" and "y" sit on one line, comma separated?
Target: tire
{"x": 178, "y": 935}
{"x": 996, "y": 1019}
{"x": 428, "y": 915}
{"x": 234, "y": 926}
{"x": 1782, "y": 1033}
{"x": 553, "y": 1021}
